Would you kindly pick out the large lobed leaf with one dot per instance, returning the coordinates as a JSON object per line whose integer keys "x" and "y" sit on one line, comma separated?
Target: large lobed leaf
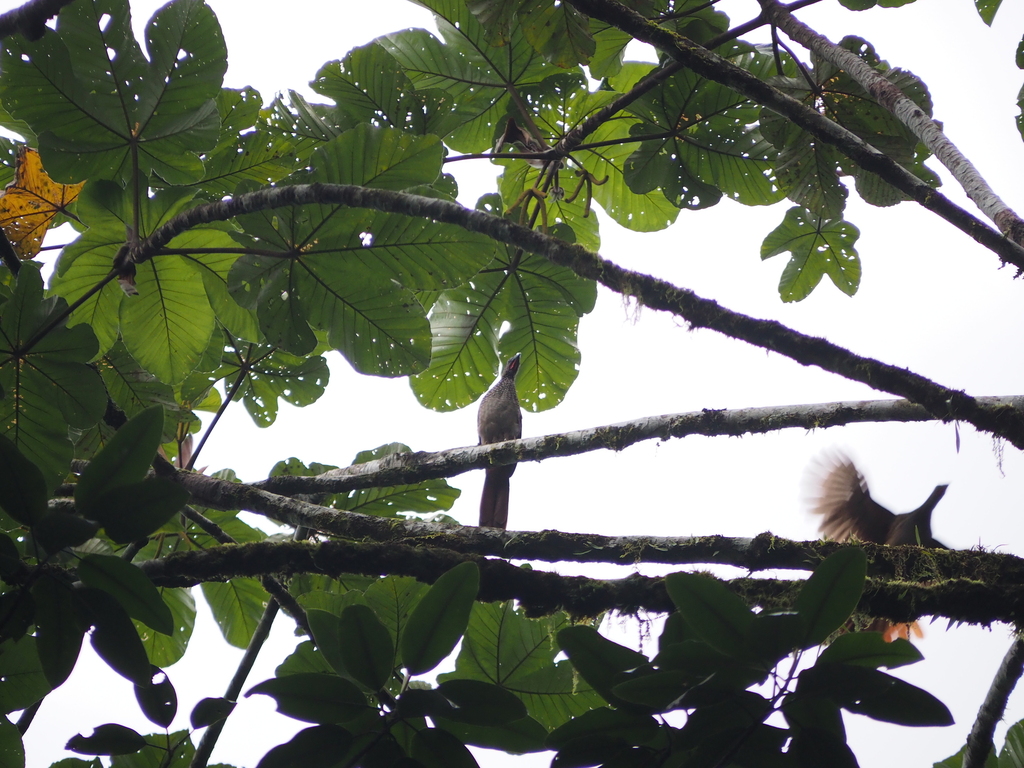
{"x": 476, "y": 77}
{"x": 45, "y": 383}
{"x": 104, "y": 110}
{"x": 349, "y": 272}
{"x": 703, "y": 141}
{"x": 168, "y": 325}
{"x": 819, "y": 246}
{"x": 504, "y": 647}
{"x": 536, "y": 303}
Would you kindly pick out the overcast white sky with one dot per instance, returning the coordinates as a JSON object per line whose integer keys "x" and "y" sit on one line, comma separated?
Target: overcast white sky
{"x": 931, "y": 300}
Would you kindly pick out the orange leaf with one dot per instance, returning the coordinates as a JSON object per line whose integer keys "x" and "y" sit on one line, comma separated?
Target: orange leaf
{"x": 30, "y": 202}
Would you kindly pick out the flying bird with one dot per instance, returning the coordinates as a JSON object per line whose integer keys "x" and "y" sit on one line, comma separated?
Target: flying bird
{"x": 842, "y": 498}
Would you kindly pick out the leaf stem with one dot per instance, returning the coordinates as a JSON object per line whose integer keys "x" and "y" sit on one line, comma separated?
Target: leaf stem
{"x": 243, "y": 370}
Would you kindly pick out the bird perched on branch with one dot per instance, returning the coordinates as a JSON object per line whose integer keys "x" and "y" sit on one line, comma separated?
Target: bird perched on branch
{"x": 842, "y": 498}
{"x": 498, "y": 419}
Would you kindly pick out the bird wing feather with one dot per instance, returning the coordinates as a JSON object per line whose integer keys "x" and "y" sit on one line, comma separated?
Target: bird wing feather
{"x": 845, "y": 504}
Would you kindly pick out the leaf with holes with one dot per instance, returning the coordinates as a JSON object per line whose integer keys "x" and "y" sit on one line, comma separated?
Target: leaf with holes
{"x": 104, "y": 109}
{"x": 819, "y": 247}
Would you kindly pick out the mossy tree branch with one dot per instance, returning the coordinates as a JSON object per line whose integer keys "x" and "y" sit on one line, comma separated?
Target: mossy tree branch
{"x": 970, "y": 587}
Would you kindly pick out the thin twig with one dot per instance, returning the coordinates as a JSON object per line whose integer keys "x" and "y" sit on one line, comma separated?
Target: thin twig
{"x": 8, "y": 256}
{"x": 229, "y": 396}
{"x": 280, "y": 597}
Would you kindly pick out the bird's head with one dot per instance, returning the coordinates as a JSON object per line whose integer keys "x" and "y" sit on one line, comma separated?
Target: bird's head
{"x": 512, "y": 366}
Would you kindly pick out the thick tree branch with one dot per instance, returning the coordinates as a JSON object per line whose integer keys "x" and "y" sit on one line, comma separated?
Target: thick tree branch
{"x": 413, "y": 467}
{"x": 961, "y": 598}
{"x": 709, "y": 65}
{"x": 979, "y": 742}
{"x": 760, "y": 553}
{"x": 893, "y": 99}
{"x": 942, "y": 402}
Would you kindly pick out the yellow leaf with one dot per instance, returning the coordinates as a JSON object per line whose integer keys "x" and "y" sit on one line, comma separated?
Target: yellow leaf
{"x": 29, "y": 203}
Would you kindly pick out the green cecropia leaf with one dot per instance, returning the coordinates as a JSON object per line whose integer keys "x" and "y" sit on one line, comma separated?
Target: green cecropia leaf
{"x": 45, "y": 384}
{"x": 102, "y": 108}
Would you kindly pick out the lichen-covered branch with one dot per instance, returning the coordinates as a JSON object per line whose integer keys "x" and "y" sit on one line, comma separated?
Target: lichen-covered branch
{"x": 402, "y": 468}
{"x": 714, "y": 67}
{"x": 942, "y": 402}
{"x": 893, "y": 99}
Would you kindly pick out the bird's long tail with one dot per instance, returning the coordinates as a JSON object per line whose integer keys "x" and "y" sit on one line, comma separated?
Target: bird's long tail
{"x": 494, "y": 499}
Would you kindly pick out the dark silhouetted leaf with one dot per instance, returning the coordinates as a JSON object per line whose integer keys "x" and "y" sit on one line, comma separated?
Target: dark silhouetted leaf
{"x": 712, "y": 611}
{"x": 158, "y": 700}
{"x": 875, "y": 694}
{"x": 322, "y": 746}
{"x": 605, "y": 724}
{"x": 657, "y": 690}
{"x": 315, "y": 698}
{"x": 480, "y": 703}
{"x": 114, "y": 637}
{"x": 209, "y": 711}
{"x": 58, "y": 631}
{"x": 832, "y": 592}
{"x": 22, "y": 681}
{"x": 440, "y": 618}
{"x": 57, "y": 530}
{"x": 869, "y": 649}
{"x": 366, "y": 647}
{"x": 109, "y": 739}
{"x": 23, "y": 491}
{"x": 132, "y": 512}
{"x": 436, "y": 748}
{"x": 123, "y": 460}
{"x": 775, "y": 635}
{"x": 130, "y": 586}
{"x": 814, "y": 747}
{"x": 597, "y": 659}
{"x": 517, "y": 737}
